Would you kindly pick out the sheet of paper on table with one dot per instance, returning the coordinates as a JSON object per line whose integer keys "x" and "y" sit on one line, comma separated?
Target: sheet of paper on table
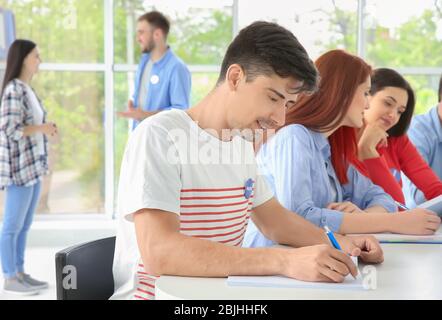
{"x": 405, "y": 238}
{"x": 434, "y": 205}
{"x": 284, "y": 282}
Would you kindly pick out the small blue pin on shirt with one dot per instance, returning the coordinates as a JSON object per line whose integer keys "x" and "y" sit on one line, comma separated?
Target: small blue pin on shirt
{"x": 248, "y": 188}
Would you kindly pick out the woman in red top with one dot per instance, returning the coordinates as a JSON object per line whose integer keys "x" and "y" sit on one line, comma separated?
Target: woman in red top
{"x": 384, "y": 148}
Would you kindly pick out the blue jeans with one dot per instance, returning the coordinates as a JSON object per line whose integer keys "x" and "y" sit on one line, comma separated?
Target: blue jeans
{"x": 20, "y": 204}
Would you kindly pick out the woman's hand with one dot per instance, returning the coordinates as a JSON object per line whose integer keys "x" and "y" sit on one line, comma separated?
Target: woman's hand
{"x": 346, "y": 206}
{"x": 373, "y": 136}
{"x": 49, "y": 129}
{"x": 417, "y": 221}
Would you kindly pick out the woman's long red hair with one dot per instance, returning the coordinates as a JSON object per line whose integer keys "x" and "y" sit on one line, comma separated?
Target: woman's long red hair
{"x": 341, "y": 74}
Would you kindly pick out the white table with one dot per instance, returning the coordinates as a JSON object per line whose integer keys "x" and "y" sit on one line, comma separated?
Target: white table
{"x": 410, "y": 271}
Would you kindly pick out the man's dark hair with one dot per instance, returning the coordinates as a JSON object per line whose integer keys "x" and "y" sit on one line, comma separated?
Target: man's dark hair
{"x": 440, "y": 89}
{"x": 385, "y": 77}
{"x": 157, "y": 20}
{"x": 265, "y": 48}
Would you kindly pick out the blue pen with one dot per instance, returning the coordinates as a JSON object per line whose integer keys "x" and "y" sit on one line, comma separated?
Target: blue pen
{"x": 332, "y": 238}
{"x": 400, "y": 205}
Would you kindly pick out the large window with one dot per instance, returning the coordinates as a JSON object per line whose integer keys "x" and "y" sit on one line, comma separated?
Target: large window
{"x": 319, "y": 25}
{"x": 89, "y": 64}
{"x": 200, "y": 33}
{"x": 69, "y": 32}
{"x": 74, "y": 101}
{"x": 407, "y": 36}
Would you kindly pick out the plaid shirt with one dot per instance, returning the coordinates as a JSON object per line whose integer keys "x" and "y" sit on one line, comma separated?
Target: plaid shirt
{"x": 21, "y": 164}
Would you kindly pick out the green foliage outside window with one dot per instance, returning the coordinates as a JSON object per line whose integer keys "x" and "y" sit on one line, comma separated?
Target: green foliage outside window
{"x": 72, "y": 31}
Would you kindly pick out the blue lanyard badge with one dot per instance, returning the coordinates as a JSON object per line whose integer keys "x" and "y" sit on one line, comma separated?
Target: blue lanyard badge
{"x": 248, "y": 188}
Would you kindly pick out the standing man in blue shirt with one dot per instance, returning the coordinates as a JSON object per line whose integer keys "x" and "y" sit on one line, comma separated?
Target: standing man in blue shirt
{"x": 162, "y": 80}
{"x": 426, "y": 134}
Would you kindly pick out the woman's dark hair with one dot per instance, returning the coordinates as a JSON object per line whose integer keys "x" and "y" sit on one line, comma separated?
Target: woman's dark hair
{"x": 384, "y": 77}
{"x": 17, "y": 53}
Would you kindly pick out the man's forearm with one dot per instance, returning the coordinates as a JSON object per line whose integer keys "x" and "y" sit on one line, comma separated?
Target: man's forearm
{"x": 187, "y": 256}
{"x": 306, "y": 234}
{"x": 286, "y": 227}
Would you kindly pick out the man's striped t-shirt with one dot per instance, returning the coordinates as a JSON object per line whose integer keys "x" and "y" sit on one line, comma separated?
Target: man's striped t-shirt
{"x": 213, "y": 200}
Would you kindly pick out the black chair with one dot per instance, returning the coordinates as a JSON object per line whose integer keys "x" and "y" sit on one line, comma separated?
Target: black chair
{"x": 87, "y": 271}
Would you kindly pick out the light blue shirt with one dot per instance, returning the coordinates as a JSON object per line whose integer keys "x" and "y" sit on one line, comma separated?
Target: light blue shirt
{"x": 297, "y": 165}
{"x": 169, "y": 84}
{"x": 426, "y": 134}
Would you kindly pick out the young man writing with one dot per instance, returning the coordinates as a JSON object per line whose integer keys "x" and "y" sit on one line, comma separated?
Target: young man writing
{"x": 189, "y": 181}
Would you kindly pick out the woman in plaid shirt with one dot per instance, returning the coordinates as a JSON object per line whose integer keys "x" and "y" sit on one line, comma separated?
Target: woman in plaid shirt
{"x": 23, "y": 162}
